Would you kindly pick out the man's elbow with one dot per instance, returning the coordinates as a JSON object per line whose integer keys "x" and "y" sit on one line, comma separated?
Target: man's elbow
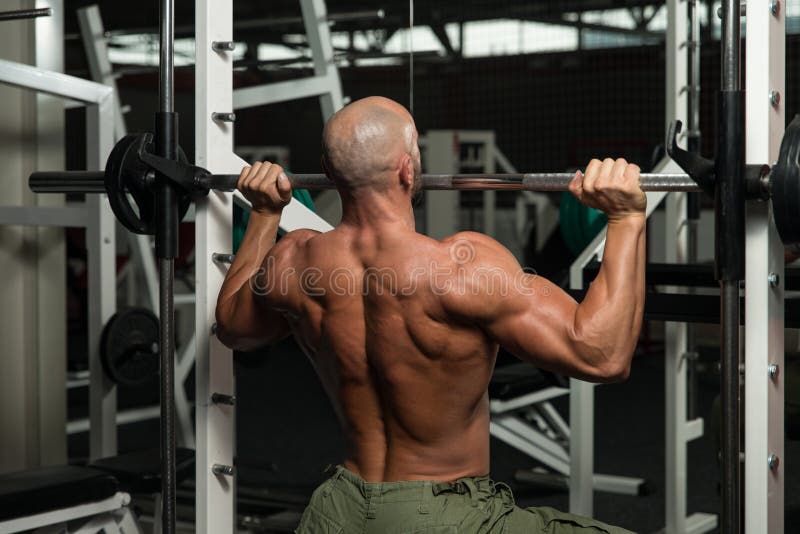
{"x": 613, "y": 369}
{"x": 602, "y": 361}
{"x": 235, "y": 341}
{"x": 223, "y": 329}
{"x": 224, "y": 335}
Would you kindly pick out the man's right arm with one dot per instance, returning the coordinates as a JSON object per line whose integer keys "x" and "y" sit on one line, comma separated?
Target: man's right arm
{"x": 539, "y": 322}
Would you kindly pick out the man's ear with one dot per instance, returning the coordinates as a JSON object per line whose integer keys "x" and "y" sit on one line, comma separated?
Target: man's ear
{"x": 407, "y": 172}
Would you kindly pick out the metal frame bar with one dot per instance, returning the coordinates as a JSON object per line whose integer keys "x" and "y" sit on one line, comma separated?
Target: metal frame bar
{"x": 325, "y": 83}
{"x": 498, "y": 406}
{"x": 115, "y": 502}
{"x": 678, "y": 430}
{"x": 273, "y": 93}
{"x": 318, "y": 33}
{"x": 764, "y": 325}
{"x": 100, "y": 238}
{"x": 19, "y": 14}
{"x": 102, "y": 293}
{"x": 100, "y": 69}
{"x": 51, "y": 324}
{"x": 535, "y": 448}
{"x": 53, "y": 83}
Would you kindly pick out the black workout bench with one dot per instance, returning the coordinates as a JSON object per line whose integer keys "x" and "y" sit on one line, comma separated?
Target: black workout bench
{"x": 86, "y": 499}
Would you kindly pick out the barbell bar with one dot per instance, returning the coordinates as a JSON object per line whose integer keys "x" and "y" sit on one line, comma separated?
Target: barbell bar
{"x": 19, "y": 14}
{"x": 94, "y": 182}
{"x": 131, "y": 167}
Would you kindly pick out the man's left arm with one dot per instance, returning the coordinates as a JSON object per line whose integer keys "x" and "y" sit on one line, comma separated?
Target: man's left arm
{"x": 244, "y": 320}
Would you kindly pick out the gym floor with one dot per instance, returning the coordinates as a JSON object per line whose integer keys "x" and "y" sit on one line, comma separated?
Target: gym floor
{"x": 287, "y": 435}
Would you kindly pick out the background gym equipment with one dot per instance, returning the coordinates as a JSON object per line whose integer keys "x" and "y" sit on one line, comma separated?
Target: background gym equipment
{"x": 129, "y": 347}
{"x": 174, "y": 183}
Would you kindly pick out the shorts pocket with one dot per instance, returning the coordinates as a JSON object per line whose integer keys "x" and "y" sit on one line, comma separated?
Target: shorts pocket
{"x": 314, "y": 522}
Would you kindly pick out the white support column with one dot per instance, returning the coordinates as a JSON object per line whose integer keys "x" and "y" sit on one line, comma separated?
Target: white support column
{"x": 678, "y": 431}
{"x": 214, "y": 500}
{"x": 764, "y": 396}
{"x": 675, "y": 378}
{"x": 102, "y": 276}
{"x": 442, "y": 208}
{"x": 581, "y": 447}
{"x": 94, "y": 42}
{"x": 677, "y": 62}
{"x": 315, "y": 18}
{"x": 489, "y": 197}
{"x": 51, "y": 319}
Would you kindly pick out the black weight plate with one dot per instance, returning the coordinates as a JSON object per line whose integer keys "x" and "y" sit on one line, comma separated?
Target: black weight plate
{"x": 785, "y": 178}
{"x": 129, "y": 347}
{"x": 126, "y": 173}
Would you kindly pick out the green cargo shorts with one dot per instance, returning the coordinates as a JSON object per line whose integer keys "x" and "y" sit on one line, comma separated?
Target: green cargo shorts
{"x": 346, "y": 504}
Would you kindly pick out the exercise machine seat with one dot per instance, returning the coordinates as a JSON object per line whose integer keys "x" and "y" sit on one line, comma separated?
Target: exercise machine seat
{"x": 25, "y": 493}
{"x": 140, "y": 471}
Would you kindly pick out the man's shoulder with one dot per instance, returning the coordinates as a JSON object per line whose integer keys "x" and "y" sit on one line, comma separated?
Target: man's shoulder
{"x": 291, "y": 248}
{"x": 467, "y": 247}
{"x": 300, "y": 236}
{"x": 293, "y": 241}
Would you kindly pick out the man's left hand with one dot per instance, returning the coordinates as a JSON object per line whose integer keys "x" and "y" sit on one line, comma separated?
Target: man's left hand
{"x": 266, "y": 186}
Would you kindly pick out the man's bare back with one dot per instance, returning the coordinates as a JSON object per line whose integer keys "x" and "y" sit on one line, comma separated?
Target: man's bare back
{"x": 408, "y": 380}
{"x": 403, "y": 330}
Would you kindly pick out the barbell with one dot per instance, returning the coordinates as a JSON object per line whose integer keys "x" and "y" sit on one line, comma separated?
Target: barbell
{"x": 130, "y": 172}
{"x": 94, "y": 182}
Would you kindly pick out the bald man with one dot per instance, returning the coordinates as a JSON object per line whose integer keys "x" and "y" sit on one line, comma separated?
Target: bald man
{"x": 403, "y": 330}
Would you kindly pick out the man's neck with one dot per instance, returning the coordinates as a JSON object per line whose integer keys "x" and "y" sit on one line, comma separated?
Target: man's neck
{"x": 377, "y": 210}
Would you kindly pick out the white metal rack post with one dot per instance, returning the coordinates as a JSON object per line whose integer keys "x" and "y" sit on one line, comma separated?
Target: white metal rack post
{"x": 678, "y": 430}
{"x": 764, "y": 327}
{"x": 215, "y": 436}
{"x": 95, "y": 214}
{"x": 215, "y": 440}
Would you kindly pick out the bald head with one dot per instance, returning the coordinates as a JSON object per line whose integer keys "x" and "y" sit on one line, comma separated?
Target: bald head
{"x": 367, "y": 143}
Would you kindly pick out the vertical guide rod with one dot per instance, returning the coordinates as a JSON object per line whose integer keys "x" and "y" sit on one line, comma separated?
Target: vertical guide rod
{"x": 729, "y": 208}
{"x": 693, "y": 199}
{"x": 166, "y": 58}
{"x": 167, "y": 350}
{"x": 166, "y": 145}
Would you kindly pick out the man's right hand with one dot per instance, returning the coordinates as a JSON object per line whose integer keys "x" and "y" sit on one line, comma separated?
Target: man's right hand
{"x": 611, "y": 186}
{"x": 266, "y": 186}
